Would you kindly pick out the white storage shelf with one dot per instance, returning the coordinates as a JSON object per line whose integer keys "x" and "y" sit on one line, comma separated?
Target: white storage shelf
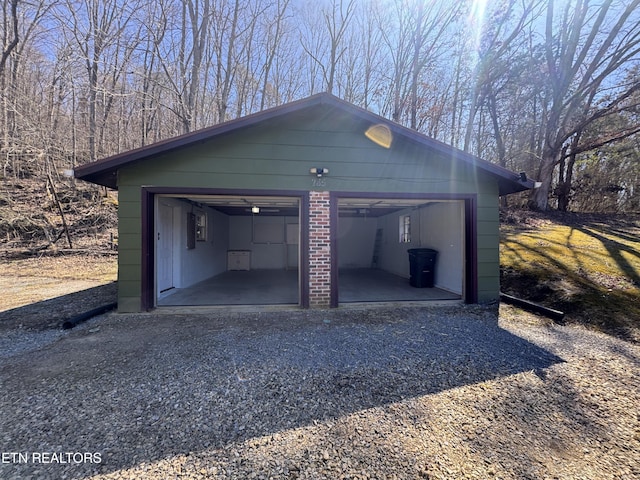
{"x": 239, "y": 260}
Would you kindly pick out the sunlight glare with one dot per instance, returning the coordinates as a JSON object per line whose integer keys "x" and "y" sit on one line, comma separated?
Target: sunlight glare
{"x": 476, "y": 20}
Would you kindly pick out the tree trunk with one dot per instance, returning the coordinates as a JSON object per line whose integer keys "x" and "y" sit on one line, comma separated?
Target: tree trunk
{"x": 230, "y": 70}
{"x": 416, "y": 67}
{"x": 539, "y": 198}
{"x": 8, "y": 47}
{"x": 566, "y": 174}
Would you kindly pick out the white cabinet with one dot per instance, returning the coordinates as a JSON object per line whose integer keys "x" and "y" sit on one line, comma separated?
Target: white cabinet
{"x": 239, "y": 260}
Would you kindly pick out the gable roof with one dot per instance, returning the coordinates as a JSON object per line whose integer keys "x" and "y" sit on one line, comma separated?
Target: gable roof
{"x": 104, "y": 172}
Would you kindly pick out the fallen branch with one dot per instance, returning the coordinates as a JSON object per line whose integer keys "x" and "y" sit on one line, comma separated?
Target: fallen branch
{"x": 64, "y": 221}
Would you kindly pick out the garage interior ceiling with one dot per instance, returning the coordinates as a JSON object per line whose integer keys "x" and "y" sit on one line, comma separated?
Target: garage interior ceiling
{"x": 242, "y": 204}
{"x": 376, "y": 207}
{"x": 288, "y": 206}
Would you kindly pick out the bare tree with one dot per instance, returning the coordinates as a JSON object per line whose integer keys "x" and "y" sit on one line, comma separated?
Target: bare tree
{"x": 431, "y": 39}
{"x": 98, "y": 28}
{"x": 199, "y": 33}
{"x": 10, "y": 39}
{"x": 396, "y": 33}
{"x": 274, "y": 37}
{"x": 612, "y": 126}
{"x": 22, "y": 71}
{"x": 228, "y": 33}
{"x": 585, "y": 52}
{"x": 181, "y": 33}
{"x": 336, "y": 18}
{"x": 608, "y": 179}
{"x": 501, "y": 43}
{"x": 148, "y": 96}
{"x": 417, "y": 37}
{"x": 107, "y": 75}
{"x": 371, "y": 58}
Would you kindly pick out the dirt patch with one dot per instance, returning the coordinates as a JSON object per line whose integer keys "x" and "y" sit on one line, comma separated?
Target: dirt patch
{"x": 42, "y": 292}
{"x": 52, "y": 313}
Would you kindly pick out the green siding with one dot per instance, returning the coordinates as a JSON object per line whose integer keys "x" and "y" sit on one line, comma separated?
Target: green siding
{"x": 128, "y": 304}
{"x": 259, "y": 159}
{"x": 488, "y": 243}
{"x": 278, "y": 157}
{"x": 129, "y": 248}
{"x": 129, "y": 225}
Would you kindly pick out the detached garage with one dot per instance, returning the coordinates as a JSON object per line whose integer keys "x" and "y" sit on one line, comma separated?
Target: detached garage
{"x": 315, "y": 203}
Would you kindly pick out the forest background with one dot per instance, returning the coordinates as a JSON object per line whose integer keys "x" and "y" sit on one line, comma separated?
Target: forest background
{"x": 549, "y": 88}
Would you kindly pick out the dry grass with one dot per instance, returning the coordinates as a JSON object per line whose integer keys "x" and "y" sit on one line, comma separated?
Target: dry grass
{"x": 99, "y": 267}
{"x": 587, "y": 266}
{"x": 41, "y": 292}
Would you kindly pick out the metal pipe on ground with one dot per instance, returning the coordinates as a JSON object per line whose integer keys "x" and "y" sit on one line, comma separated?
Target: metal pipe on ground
{"x": 83, "y": 317}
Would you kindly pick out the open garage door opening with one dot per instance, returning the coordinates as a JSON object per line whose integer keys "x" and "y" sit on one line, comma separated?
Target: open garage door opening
{"x": 373, "y": 239}
{"x": 227, "y": 250}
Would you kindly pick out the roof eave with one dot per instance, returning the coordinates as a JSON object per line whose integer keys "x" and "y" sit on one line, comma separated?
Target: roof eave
{"x": 508, "y": 187}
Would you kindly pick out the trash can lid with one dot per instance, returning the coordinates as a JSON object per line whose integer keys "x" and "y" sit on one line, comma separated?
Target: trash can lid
{"x": 422, "y": 251}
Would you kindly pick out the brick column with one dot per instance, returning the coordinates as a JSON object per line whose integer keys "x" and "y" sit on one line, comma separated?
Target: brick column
{"x": 319, "y": 250}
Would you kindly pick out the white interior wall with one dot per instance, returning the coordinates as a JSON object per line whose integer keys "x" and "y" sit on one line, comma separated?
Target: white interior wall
{"x": 442, "y": 227}
{"x": 393, "y": 254}
{"x": 356, "y": 237}
{"x": 209, "y": 257}
{"x": 438, "y": 226}
{"x": 271, "y": 250}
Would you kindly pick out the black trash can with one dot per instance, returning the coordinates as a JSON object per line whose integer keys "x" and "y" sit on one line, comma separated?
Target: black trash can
{"x": 422, "y": 267}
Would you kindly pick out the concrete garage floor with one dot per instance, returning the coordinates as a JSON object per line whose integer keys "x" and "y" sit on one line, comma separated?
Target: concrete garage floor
{"x": 280, "y": 287}
{"x": 255, "y": 287}
{"x": 371, "y": 285}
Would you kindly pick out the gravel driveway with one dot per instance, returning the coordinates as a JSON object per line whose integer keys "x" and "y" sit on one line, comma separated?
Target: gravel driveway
{"x": 347, "y": 393}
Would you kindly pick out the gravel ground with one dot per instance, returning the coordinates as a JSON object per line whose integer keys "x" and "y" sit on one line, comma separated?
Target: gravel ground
{"x": 347, "y": 393}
